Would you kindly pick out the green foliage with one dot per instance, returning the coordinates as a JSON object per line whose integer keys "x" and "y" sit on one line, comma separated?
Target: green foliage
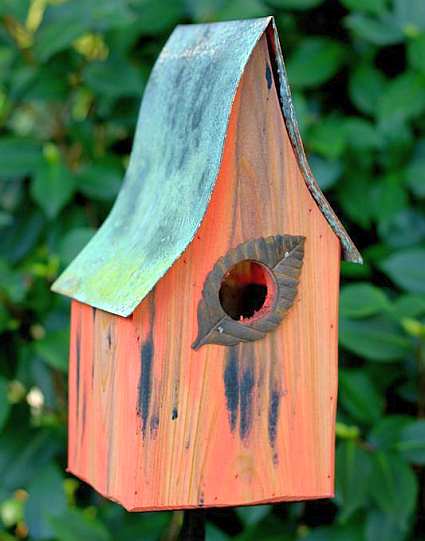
{"x": 72, "y": 73}
{"x": 314, "y": 61}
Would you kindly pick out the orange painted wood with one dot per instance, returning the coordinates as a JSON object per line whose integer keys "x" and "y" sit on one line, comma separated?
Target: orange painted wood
{"x": 154, "y": 424}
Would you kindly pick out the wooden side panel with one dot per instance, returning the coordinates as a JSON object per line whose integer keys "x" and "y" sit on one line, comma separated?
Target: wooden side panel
{"x": 169, "y": 427}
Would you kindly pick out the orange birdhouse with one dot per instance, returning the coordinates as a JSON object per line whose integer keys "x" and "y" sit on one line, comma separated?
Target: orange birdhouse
{"x": 204, "y": 328}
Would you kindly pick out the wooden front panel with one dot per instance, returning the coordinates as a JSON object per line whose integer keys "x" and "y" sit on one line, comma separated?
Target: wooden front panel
{"x": 154, "y": 424}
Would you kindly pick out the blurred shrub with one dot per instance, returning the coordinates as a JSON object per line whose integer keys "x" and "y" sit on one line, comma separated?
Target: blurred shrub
{"x": 71, "y": 77}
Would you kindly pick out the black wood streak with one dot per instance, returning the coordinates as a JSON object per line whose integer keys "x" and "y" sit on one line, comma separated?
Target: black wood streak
{"x": 231, "y": 386}
{"x": 246, "y": 401}
{"x": 274, "y": 404}
{"x": 92, "y": 372}
{"x": 145, "y": 382}
{"x": 239, "y": 384}
{"x": 109, "y": 337}
{"x": 176, "y": 389}
{"x": 269, "y": 77}
{"x": 154, "y": 424}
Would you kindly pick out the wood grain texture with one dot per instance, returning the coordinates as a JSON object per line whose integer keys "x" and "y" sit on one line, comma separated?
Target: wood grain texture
{"x": 154, "y": 424}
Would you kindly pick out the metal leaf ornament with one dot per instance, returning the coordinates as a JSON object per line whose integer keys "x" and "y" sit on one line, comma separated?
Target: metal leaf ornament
{"x": 282, "y": 256}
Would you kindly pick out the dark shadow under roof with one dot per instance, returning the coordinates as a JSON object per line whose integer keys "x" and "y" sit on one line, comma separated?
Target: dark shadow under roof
{"x": 174, "y": 164}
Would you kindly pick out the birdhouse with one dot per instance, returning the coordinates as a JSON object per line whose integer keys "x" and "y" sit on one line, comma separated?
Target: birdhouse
{"x": 204, "y": 319}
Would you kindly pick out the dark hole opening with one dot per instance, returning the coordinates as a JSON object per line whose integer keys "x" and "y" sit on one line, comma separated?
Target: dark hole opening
{"x": 245, "y": 289}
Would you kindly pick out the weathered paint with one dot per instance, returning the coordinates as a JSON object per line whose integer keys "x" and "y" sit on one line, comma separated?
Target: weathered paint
{"x": 175, "y": 161}
{"x": 269, "y": 76}
{"x": 231, "y": 386}
{"x": 145, "y": 385}
{"x": 274, "y": 403}
{"x": 246, "y": 397}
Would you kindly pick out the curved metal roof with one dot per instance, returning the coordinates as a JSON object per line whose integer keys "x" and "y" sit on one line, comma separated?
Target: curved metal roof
{"x": 174, "y": 163}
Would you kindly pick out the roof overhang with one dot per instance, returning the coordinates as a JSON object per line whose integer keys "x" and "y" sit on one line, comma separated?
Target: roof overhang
{"x": 174, "y": 164}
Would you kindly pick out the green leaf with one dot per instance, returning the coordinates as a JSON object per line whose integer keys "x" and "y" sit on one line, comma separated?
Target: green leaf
{"x": 315, "y": 61}
{"x": 389, "y": 197}
{"x": 4, "y": 318}
{"x": 295, "y": 4}
{"x": 403, "y": 228}
{"x": 376, "y": 338}
{"x": 253, "y": 515}
{"x": 5, "y": 219}
{"x": 359, "y": 397}
{"x": 393, "y": 487}
{"x": 46, "y": 500}
{"x": 159, "y": 17}
{"x": 410, "y": 16}
{"x": 381, "y": 525}
{"x": 362, "y": 134}
{"x": 4, "y": 402}
{"x": 242, "y": 9}
{"x": 415, "y": 177}
{"x": 372, "y": 6}
{"x": 366, "y": 86}
{"x": 19, "y": 156}
{"x": 73, "y": 242}
{"x": 52, "y": 188}
{"x": 13, "y": 283}
{"x": 57, "y": 36}
{"x": 101, "y": 180}
{"x": 14, "y": 9}
{"x": 379, "y": 31}
{"x": 64, "y": 22}
{"x": 102, "y": 78}
{"x": 409, "y": 305}
{"x": 204, "y": 10}
{"x": 402, "y": 99}
{"x": 215, "y": 534}
{"x": 336, "y": 532}
{"x": 327, "y": 172}
{"x": 386, "y": 433}
{"x": 21, "y": 236}
{"x": 416, "y": 53}
{"x": 354, "y": 195}
{"x": 362, "y": 300}
{"x": 353, "y": 466}
{"x": 75, "y": 525}
{"x": 328, "y": 137}
{"x": 406, "y": 268}
{"x": 412, "y": 442}
{"x": 354, "y": 270}
{"x": 53, "y": 349}
{"x": 22, "y": 452}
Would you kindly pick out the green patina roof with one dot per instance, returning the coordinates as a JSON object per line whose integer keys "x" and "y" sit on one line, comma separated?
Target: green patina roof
{"x": 174, "y": 164}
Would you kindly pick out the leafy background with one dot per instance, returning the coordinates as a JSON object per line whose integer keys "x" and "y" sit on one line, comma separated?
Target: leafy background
{"x": 71, "y": 77}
